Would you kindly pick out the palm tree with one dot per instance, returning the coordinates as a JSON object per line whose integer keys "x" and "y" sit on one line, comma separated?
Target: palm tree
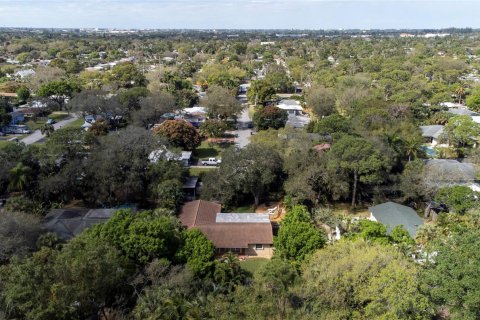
{"x": 394, "y": 141}
{"x": 47, "y": 129}
{"x": 460, "y": 93}
{"x": 19, "y": 176}
{"x": 411, "y": 147}
{"x": 426, "y": 234}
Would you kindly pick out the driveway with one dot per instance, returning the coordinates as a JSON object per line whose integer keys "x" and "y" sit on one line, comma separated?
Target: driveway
{"x": 36, "y": 136}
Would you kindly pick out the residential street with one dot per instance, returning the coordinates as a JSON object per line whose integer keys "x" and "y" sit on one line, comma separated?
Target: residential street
{"x": 244, "y": 132}
{"x": 36, "y": 136}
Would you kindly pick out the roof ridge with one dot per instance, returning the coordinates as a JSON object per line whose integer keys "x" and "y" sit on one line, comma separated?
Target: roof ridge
{"x": 196, "y": 212}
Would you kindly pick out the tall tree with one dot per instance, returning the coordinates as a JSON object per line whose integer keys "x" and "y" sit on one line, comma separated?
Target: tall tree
{"x": 179, "y": 133}
{"x": 360, "y": 160}
{"x": 270, "y": 117}
{"x": 462, "y": 130}
{"x": 321, "y": 100}
{"x": 19, "y": 177}
{"x": 221, "y": 103}
{"x": 152, "y": 108}
{"x": 260, "y": 92}
{"x": 253, "y": 171}
{"x": 298, "y": 238}
{"x": 58, "y": 91}
{"x": 451, "y": 277}
{"x": 348, "y": 279}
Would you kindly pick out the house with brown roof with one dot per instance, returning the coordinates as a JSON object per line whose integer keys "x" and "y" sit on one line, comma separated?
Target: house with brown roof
{"x": 247, "y": 234}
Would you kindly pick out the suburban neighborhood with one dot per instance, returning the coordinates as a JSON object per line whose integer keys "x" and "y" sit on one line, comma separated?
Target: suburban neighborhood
{"x": 239, "y": 174}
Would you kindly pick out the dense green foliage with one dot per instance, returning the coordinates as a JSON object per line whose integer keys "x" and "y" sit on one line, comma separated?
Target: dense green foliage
{"x": 458, "y": 199}
{"x": 180, "y": 134}
{"x": 297, "y": 238}
{"x": 270, "y": 117}
{"x": 367, "y": 97}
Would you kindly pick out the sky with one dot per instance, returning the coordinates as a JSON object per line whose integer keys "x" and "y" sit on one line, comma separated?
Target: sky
{"x": 240, "y": 14}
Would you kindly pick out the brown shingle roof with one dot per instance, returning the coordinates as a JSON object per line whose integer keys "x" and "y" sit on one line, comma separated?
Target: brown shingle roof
{"x": 238, "y": 235}
{"x": 202, "y": 215}
{"x": 199, "y": 212}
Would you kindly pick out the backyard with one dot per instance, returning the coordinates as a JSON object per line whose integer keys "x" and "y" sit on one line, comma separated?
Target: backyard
{"x": 253, "y": 264}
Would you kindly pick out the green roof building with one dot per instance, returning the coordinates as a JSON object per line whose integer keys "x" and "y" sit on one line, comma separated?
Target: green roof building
{"x": 393, "y": 214}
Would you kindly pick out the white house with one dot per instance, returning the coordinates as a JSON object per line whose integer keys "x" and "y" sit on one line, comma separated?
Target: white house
{"x": 22, "y": 74}
{"x": 164, "y": 153}
{"x": 292, "y": 107}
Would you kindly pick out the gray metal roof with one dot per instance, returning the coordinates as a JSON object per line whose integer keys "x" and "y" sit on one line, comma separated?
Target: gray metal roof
{"x": 186, "y": 155}
{"x": 242, "y": 218}
{"x": 290, "y": 102}
{"x": 433, "y": 131}
{"x": 191, "y": 183}
{"x": 393, "y": 214}
{"x": 462, "y": 112}
{"x": 297, "y": 121}
{"x": 69, "y": 222}
{"x": 451, "y": 170}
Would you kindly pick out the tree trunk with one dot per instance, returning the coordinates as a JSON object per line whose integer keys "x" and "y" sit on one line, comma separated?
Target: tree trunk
{"x": 354, "y": 192}
{"x": 257, "y": 200}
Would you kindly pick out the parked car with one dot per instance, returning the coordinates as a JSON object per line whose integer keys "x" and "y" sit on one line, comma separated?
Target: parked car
{"x": 51, "y": 121}
{"x": 211, "y": 162}
{"x": 90, "y": 118}
{"x": 17, "y": 129}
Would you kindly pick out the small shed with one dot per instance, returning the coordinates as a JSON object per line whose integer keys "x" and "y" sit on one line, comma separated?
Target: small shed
{"x": 190, "y": 188}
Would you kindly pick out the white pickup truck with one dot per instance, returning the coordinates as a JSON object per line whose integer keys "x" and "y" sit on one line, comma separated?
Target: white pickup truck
{"x": 211, "y": 162}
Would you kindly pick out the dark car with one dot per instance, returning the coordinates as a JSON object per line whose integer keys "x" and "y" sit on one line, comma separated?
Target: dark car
{"x": 51, "y": 121}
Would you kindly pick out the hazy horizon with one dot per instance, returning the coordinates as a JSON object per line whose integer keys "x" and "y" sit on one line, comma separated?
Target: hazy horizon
{"x": 237, "y": 14}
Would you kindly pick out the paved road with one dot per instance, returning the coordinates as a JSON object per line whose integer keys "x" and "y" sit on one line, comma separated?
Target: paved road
{"x": 243, "y": 132}
{"x": 36, "y": 136}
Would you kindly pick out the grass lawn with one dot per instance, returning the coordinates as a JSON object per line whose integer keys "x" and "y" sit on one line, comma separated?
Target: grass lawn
{"x": 251, "y": 111}
{"x": 243, "y": 209}
{"x": 253, "y": 264}
{"x": 34, "y": 125}
{"x": 197, "y": 172}
{"x": 39, "y": 122}
{"x": 4, "y": 143}
{"x": 58, "y": 116}
{"x": 206, "y": 150}
{"x": 75, "y": 124}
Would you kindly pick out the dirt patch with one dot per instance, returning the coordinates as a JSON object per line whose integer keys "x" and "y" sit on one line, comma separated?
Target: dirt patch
{"x": 344, "y": 209}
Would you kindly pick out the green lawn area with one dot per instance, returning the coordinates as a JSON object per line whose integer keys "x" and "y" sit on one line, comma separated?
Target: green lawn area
{"x": 197, "y": 172}
{"x": 251, "y": 111}
{"x": 39, "y": 122}
{"x": 253, "y": 264}
{"x": 75, "y": 124}
{"x": 4, "y": 143}
{"x": 206, "y": 150}
{"x": 58, "y": 116}
{"x": 243, "y": 209}
{"x": 34, "y": 125}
